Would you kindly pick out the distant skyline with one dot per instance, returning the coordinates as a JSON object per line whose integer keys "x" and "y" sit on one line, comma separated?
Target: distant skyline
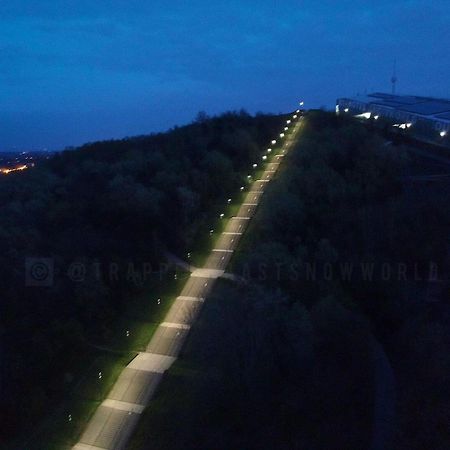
{"x": 78, "y": 71}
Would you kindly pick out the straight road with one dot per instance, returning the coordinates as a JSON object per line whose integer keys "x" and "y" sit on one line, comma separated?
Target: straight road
{"x": 115, "y": 419}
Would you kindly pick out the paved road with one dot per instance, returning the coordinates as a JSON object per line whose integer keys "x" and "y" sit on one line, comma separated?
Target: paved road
{"x": 115, "y": 419}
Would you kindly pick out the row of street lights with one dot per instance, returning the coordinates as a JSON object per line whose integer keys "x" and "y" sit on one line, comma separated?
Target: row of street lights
{"x": 264, "y": 157}
{"x": 222, "y": 215}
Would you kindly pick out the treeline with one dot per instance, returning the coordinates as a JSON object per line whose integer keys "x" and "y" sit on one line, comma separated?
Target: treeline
{"x": 347, "y": 222}
{"x": 290, "y": 359}
{"x": 106, "y": 202}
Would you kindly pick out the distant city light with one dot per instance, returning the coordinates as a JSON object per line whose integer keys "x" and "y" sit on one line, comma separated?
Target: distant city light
{"x": 15, "y": 169}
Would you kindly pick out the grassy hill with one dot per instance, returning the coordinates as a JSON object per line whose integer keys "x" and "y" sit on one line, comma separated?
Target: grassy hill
{"x": 82, "y": 238}
{"x": 289, "y": 359}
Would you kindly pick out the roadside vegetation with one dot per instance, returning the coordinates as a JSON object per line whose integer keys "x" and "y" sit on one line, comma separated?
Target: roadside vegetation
{"x": 348, "y": 252}
{"x": 103, "y": 215}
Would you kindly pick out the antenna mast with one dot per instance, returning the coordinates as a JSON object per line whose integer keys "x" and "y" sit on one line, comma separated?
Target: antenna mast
{"x": 394, "y": 77}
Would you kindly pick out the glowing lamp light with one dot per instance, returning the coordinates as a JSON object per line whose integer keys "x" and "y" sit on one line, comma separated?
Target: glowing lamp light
{"x": 282, "y": 135}
{"x": 346, "y": 110}
{"x": 264, "y": 157}
{"x": 286, "y": 128}
{"x": 269, "y": 150}
{"x": 255, "y": 166}
{"x": 376, "y": 117}
{"x": 274, "y": 142}
{"x": 366, "y": 115}
{"x": 288, "y": 122}
{"x": 443, "y": 133}
{"x": 222, "y": 215}
{"x": 294, "y": 116}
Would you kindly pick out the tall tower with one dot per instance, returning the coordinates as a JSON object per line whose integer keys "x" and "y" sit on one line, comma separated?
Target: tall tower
{"x": 394, "y": 77}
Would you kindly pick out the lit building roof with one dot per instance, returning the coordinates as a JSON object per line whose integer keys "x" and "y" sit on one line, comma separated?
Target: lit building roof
{"x": 423, "y": 106}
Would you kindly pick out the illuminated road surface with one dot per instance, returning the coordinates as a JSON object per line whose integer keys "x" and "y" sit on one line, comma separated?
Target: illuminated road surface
{"x": 116, "y": 418}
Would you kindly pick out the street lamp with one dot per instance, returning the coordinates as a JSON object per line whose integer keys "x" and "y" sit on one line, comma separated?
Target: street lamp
{"x": 264, "y": 157}
{"x": 229, "y": 200}
{"x": 288, "y": 122}
{"x": 282, "y": 135}
{"x": 222, "y": 215}
{"x": 443, "y": 133}
{"x": 269, "y": 150}
{"x": 255, "y": 166}
{"x": 242, "y": 188}
{"x": 274, "y": 142}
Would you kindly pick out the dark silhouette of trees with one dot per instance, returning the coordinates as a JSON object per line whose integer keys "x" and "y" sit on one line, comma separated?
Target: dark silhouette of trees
{"x": 106, "y": 202}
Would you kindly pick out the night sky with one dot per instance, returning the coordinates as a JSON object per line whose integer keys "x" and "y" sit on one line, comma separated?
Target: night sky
{"x": 77, "y": 71}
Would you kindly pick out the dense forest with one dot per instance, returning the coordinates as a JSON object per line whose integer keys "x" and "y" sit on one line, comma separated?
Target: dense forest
{"x": 337, "y": 338}
{"x": 120, "y": 202}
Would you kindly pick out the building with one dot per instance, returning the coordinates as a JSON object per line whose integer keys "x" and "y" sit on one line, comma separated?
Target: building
{"x": 430, "y": 117}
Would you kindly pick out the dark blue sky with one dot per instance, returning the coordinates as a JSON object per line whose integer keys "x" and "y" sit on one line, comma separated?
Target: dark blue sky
{"x": 75, "y": 70}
